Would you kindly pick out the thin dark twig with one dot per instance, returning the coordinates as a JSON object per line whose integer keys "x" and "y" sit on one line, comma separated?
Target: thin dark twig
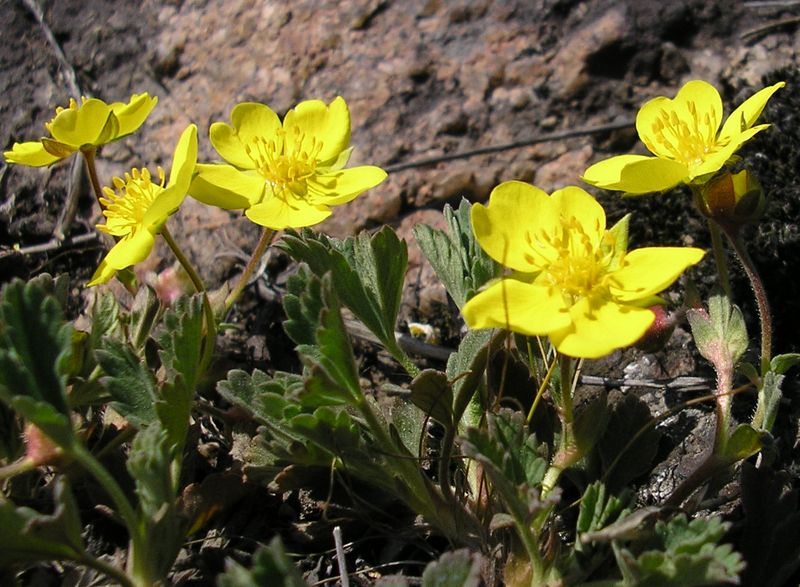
{"x": 555, "y": 136}
{"x": 53, "y": 244}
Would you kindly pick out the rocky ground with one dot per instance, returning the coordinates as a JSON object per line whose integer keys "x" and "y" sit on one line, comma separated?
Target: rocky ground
{"x": 423, "y": 78}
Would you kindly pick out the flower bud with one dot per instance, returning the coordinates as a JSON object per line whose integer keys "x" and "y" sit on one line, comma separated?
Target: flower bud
{"x": 656, "y": 337}
{"x": 734, "y": 199}
{"x": 39, "y": 447}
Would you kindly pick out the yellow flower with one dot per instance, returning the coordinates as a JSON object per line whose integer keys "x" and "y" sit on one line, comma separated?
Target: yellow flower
{"x": 572, "y": 279}
{"x": 137, "y": 210}
{"x": 284, "y": 175}
{"x": 83, "y": 128}
{"x": 684, "y": 135}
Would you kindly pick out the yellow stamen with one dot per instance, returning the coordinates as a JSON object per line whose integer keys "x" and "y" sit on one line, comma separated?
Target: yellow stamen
{"x": 126, "y": 205}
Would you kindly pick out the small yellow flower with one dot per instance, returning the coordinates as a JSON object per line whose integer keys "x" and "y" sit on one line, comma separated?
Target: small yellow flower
{"x": 139, "y": 207}
{"x": 83, "y": 128}
{"x": 684, "y": 135}
{"x": 572, "y": 279}
{"x": 284, "y": 174}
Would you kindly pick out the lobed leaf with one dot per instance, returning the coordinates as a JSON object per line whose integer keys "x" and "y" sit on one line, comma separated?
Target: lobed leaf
{"x": 455, "y": 255}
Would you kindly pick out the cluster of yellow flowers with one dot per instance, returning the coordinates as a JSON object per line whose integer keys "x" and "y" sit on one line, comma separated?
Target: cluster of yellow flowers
{"x": 571, "y": 279}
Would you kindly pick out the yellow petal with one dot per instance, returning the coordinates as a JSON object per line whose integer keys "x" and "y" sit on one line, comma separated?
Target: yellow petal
{"x": 608, "y": 172}
{"x": 130, "y": 250}
{"x": 517, "y": 306}
{"x": 184, "y": 159}
{"x": 252, "y": 122}
{"x": 132, "y": 115}
{"x": 30, "y": 153}
{"x": 103, "y": 274}
{"x": 600, "y": 327}
{"x": 165, "y": 205}
{"x": 650, "y": 175}
{"x": 715, "y": 161}
{"x": 81, "y": 126}
{"x": 286, "y": 211}
{"x": 339, "y": 187}
{"x": 573, "y": 202}
{"x": 329, "y": 125}
{"x": 695, "y": 101}
{"x": 649, "y": 270}
{"x": 226, "y": 187}
{"x": 516, "y": 214}
{"x": 748, "y": 112}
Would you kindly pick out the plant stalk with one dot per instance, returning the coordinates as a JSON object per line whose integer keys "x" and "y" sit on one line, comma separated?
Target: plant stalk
{"x": 263, "y": 242}
{"x": 91, "y": 168}
{"x": 760, "y": 293}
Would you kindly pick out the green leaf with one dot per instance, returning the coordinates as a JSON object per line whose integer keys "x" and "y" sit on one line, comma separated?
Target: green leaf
{"x": 455, "y": 255}
{"x": 459, "y": 568}
{"x": 260, "y": 394}
{"x": 688, "y": 556}
{"x": 769, "y": 400}
{"x": 181, "y": 341}
{"x": 780, "y": 364}
{"x": 36, "y": 348}
{"x": 303, "y": 304}
{"x": 466, "y": 367}
{"x": 129, "y": 382}
{"x": 719, "y": 333}
{"x": 105, "y": 319}
{"x": 181, "y": 352}
{"x": 598, "y": 509}
{"x": 744, "y": 442}
{"x": 35, "y": 345}
{"x": 30, "y": 536}
{"x": 143, "y": 315}
{"x": 432, "y": 393}
{"x": 513, "y": 461}
{"x": 150, "y": 465}
{"x": 332, "y": 371}
{"x": 367, "y": 273}
{"x": 270, "y": 566}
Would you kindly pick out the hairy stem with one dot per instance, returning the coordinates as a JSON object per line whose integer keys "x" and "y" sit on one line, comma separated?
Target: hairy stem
{"x": 760, "y": 292}
{"x": 263, "y": 242}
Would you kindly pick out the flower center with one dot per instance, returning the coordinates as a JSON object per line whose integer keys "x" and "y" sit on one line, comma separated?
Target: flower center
{"x": 125, "y": 208}
{"x": 285, "y": 170}
{"x": 571, "y": 263}
{"x": 687, "y": 139}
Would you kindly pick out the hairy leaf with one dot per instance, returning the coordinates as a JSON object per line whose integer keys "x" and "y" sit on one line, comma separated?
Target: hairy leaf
{"x": 129, "y": 382}
{"x": 687, "y": 555}
{"x": 459, "y": 568}
{"x": 30, "y": 536}
{"x": 270, "y": 566}
{"x": 455, "y": 255}
{"x": 35, "y": 352}
{"x": 367, "y": 273}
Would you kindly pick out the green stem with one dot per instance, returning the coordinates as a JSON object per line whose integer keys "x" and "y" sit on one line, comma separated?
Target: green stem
{"x": 542, "y": 387}
{"x": 760, "y": 292}
{"x": 18, "y": 467}
{"x": 720, "y": 258}
{"x": 112, "y": 488}
{"x": 263, "y": 242}
{"x": 91, "y": 168}
{"x": 567, "y": 453}
{"x": 211, "y": 324}
{"x": 449, "y": 516}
